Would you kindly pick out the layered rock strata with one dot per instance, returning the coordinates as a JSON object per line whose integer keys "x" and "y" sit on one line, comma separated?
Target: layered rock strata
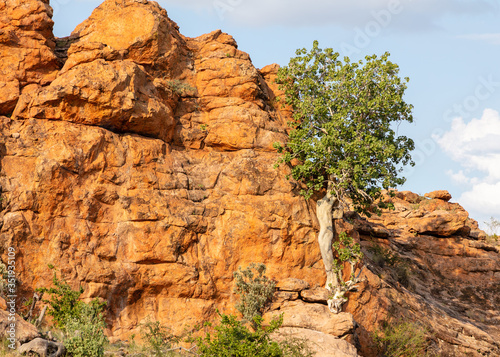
{"x": 140, "y": 163}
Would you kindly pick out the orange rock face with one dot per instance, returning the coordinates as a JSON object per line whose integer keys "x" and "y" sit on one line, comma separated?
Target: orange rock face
{"x": 143, "y": 169}
{"x": 26, "y": 49}
{"x": 442, "y": 277}
{"x": 154, "y": 223}
{"x": 117, "y": 95}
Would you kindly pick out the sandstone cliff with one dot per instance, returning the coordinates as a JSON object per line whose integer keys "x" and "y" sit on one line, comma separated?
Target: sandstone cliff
{"x": 140, "y": 163}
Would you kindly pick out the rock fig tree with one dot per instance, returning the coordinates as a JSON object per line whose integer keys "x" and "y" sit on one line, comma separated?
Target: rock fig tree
{"x": 342, "y": 141}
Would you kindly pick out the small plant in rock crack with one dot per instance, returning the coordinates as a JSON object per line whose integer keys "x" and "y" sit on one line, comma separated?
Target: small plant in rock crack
{"x": 234, "y": 337}
{"x": 179, "y": 87}
{"x": 385, "y": 257}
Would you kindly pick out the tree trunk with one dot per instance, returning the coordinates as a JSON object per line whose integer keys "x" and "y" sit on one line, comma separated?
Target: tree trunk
{"x": 324, "y": 210}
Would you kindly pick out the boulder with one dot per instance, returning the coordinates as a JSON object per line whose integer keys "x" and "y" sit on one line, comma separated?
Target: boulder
{"x": 439, "y": 194}
{"x": 315, "y": 295}
{"x": 440, "y": 223}
{"x": 43, "y": 348}
{"x": 315, "y": 317}
{"x": 117, "y": 95}
{"x": 408, "y": 196}
{"x": 26, "y": 49}
{"x": 319, "y": 343}
{"x": 12, "y": 323}
{"x": 112, "y": 32}
{"x": 292, "y": 284}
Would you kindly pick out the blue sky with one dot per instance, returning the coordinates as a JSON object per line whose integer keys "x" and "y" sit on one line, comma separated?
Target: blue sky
{"x": 450, "y": 49}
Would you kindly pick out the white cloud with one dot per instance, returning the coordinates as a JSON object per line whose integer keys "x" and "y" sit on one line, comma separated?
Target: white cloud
{"x": 459, "y": 177}
{"x": 483, "y": 198}
{"x": 476, "y": 146}
{"x": 492, "y": 38}
{"x": 421, "y": 14}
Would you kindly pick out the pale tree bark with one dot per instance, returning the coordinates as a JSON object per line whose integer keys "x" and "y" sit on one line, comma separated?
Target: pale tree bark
{"x": 324, "y": 208}
{"x": 327, "y": 209}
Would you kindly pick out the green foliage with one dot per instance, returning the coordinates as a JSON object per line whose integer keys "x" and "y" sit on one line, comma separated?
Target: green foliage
{"x": 179, "y": 87}
{"x": 83, "y": 324}
{"x": 386, "y": 258}
{"x": 64, "y": 303}
{"x": 3, "y": 279}
{"x": 4, "y": 347}
{"x": 347, "y": 251}
{"x": 296, "y": 347}
{"x": 84, "y": 334}
{"x": 402, "y": 339}
{"x": 341, "y": 134}
{"x": 157, "y": 339}
{"x": 382, "y": 256}
{"x": 233, "y": 338}
{"x": 255, "y": 290}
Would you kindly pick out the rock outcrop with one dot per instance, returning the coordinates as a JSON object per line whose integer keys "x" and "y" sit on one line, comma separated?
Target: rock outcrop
{"x": 140, "y": 163}
{"x": 13, "y": 328}
{"x": 146, "y": 173}
{"x": 441, "y": 276}
{"x": 26, "y": 49}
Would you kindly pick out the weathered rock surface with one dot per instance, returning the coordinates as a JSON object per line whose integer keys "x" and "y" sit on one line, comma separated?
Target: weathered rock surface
{"x": 143, "y": 170}
{"x": 22, "y": 330}
{"x": 448, "y": 282}
{"x": 317, "y": 294}
{"x": 26, "y": 49}
{"x": 292, "y": 284}
{"x": 42, "y": 348}
{"x": 439, "y": 194}
{"x": 116, "y": 95}
{"x": 315, "y": 317}
{"x": 321, "y": 344}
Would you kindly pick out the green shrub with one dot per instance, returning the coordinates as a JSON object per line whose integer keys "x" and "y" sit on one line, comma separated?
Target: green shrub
{"x": 3, "y": 279}
{"x": 382, "y": 256}
{"x": 386, "y": 258}
{"x": 179, "y": 87}
{"x": 157, "y": 339}
{"x": 403, "y": 339}
{"x": 82, "y": 324}
{"x": 63, "y": 304}
{"x": 84, "y": 335}
{"x": 233, "y": 338}
{"x": 255, "y": 290}
{"x": 249, "y": 337}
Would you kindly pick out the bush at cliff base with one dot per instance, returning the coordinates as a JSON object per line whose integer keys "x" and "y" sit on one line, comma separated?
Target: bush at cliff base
{"x": 82, "y": 324}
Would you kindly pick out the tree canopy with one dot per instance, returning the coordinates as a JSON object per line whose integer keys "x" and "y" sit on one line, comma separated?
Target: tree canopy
{"x": 342, "y": 136}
